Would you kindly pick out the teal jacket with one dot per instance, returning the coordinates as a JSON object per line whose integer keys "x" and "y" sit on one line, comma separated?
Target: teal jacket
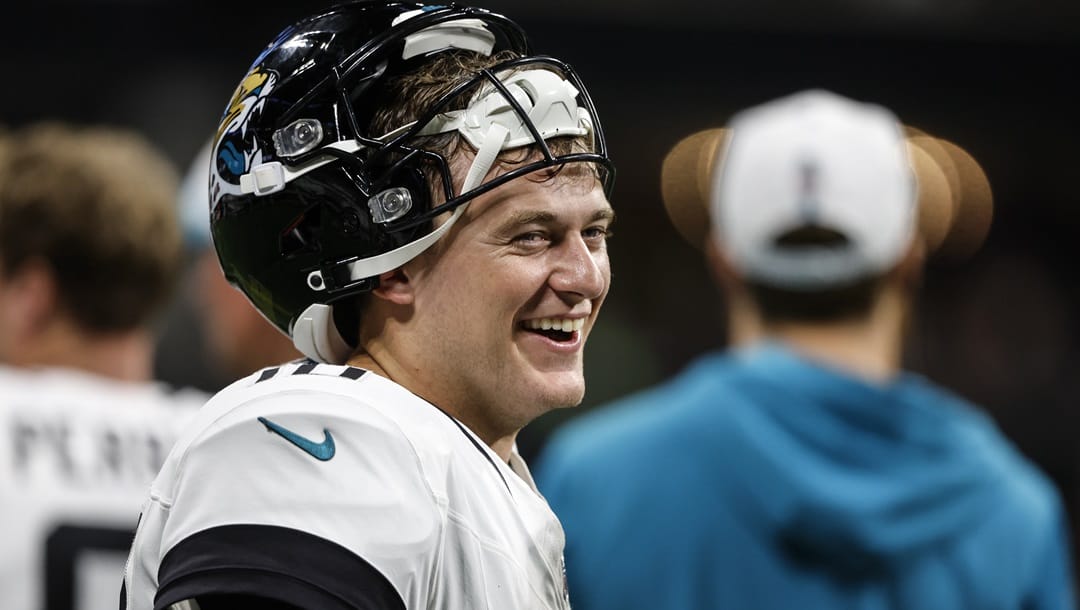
{"x": 759, "y": 480}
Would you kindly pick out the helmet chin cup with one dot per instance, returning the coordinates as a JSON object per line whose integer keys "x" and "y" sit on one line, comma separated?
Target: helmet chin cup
{"x": 316, "y": 336}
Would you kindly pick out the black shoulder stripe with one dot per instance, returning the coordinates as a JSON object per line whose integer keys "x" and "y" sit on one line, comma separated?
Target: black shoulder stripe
{"x": 306, "y": 368}
{"x": 272, "y": 562}
{"x": 353, "y": 373}
{"x": 310, "y": 367}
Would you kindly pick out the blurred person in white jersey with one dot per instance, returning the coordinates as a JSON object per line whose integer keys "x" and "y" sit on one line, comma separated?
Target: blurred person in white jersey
{"x": 89, "y": 251}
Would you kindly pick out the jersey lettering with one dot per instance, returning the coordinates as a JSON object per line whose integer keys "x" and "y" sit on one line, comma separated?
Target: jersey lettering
{"x": 54, "y": 449}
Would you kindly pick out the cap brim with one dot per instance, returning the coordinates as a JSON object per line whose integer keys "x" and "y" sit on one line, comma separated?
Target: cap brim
{"x": 955, "y": 199}
{"x": 937, "y": 184}
{"x": 975, "y": 206}
{"x": 685, "y": 180}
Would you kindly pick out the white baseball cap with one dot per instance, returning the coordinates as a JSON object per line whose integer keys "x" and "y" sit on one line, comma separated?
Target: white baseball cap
{"x": 814, "y": 159}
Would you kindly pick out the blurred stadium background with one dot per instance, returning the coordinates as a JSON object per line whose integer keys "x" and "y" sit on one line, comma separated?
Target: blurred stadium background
{"x": 994, "y": 76}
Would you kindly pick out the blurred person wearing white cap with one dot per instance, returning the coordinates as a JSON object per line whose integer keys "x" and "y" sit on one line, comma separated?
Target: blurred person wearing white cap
{"x": 803, "y": 467}
{"x": 89, "y": 251}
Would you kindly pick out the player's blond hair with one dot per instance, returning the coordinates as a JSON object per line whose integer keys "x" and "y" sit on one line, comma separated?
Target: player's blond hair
{"x": 97, "y": 205}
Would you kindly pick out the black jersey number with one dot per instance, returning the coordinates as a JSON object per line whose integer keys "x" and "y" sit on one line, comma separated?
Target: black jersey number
{"x": 65, "y": 546}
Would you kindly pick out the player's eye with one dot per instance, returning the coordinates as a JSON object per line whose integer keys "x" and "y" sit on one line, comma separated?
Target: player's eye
{"x": 531, "y": 238}
{"x": 597, "y": 232}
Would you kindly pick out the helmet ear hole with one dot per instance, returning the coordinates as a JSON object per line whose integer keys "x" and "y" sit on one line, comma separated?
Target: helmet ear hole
{"x": 301, "y": 235}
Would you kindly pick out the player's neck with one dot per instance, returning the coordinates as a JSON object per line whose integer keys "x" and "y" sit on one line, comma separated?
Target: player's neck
{"x": 501, "y": 443}
{"x": 863, "y": 350}
{"x": 124, "y": 356}
{"x": 869, "y": 348}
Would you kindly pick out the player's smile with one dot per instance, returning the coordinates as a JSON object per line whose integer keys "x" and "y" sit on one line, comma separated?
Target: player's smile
{"x": 563, "y": 333}
{"x": 518, "y": 285}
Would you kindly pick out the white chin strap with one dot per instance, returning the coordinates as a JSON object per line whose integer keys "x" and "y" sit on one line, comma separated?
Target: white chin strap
{"x": 491, "y": 125}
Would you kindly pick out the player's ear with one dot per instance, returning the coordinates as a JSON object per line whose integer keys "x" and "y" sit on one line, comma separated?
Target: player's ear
{"x": 910, "y": 268}
{"x": 30, "y": 297}
{"x": 743, "y": 316}
{"x": 722, "y": 271}
{"x": 395, "y": 286}
{"x": 40, "y": 293}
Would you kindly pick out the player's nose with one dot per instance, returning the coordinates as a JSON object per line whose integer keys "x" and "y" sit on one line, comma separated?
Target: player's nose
{"x": 580, "y": 272}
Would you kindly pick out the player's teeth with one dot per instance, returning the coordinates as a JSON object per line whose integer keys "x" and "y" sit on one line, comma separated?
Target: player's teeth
{"x": 565, "y": 325}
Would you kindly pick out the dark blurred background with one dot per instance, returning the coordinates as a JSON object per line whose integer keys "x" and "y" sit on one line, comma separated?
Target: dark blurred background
{"x": 995, "y": 77}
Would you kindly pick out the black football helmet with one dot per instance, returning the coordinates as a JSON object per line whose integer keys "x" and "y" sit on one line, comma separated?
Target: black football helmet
{"x": 308, "y": 208}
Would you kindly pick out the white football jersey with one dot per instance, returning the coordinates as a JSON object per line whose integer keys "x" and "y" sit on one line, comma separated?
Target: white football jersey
{"x": 329, "y": 487}
{"x": 78, "y": 455}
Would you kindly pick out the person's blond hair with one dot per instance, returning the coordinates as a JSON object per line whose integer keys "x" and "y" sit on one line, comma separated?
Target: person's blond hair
{"x": 97, "y": 205}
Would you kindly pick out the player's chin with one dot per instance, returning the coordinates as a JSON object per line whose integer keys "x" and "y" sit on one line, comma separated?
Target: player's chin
{"x": 561, "y": 390}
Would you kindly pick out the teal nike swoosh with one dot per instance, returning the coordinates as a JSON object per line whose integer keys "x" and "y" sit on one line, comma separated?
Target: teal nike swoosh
{"x": 320, "y": 451}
